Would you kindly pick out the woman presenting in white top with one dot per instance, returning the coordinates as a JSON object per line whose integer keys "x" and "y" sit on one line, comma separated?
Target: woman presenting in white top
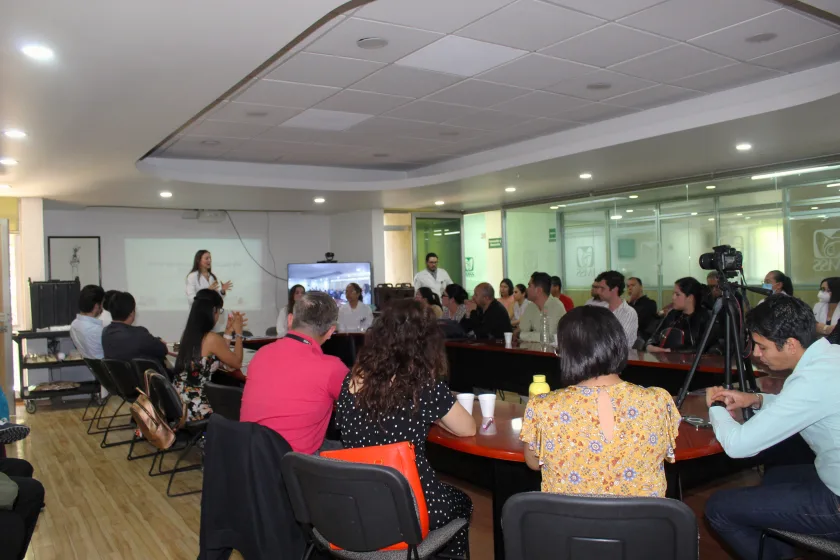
{"x": 354, "y": 316}
{"x": 201, "y": 277}
{"x": 827, "y": 312}
{"x": 295, "y": 293}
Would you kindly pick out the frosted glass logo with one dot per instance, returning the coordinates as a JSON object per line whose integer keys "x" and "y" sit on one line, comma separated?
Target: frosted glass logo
{"x": 585, "y": 261}
{"x": 826, "y": 250}
{"x": 469, "y": 267}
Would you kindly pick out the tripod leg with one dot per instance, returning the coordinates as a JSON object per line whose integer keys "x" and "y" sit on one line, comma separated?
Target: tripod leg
{"x": 735, "y": 340}
{"x": 690, "y": 377}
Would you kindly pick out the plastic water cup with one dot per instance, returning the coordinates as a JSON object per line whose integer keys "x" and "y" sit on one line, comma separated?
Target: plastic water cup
{"x": 488, "y": 405}
{"x": 467, "y": 400}
{"x": 508, "y": 339}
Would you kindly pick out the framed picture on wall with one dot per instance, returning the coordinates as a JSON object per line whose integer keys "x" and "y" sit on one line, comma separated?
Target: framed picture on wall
{"x": 72, "y": 257}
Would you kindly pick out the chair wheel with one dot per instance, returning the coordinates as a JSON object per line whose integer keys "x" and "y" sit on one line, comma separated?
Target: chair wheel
{"x": 30, "y": 407}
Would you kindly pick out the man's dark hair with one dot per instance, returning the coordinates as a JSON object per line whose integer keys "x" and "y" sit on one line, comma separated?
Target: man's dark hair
{"x": 590, "y": 342}
{"x": 430, "y": 255}
{"x": 613, "y": 279}
{"x": 315, "y": 311}
{"x": 543, "y": 281}
{"x": 121, "y": 305}
{"x": 106, "y": 300}
{"x": 555, "y": 281}
{"x": 89, "y": 297}
{"x": 637, "y": 279}
{"x": 781, "y": 317}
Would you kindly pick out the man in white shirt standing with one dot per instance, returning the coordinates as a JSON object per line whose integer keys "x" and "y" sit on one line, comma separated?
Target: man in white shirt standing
{"x": 610, "y": 286}
{"x": 432, "y": 277}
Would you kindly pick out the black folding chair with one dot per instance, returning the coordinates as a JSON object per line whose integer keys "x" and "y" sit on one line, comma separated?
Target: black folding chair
{"x": 94, "y": 397}
{"x": 225, "y": 400}
{"x": 143, "y": 364}
{"x": 543, "y": 526}
{"x": 126, "y": 382}
{"x": 359, "y": 508}
{"x": 824, "y": 547}
{"x": 101, "y": 374}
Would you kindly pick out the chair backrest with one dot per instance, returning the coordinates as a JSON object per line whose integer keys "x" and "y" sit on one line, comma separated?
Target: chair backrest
{"x": 342, "y": 347}
{"x": 356, "y": 507}
{"x": 142, "y": 364}
{"x": 271, "y": 331}
{"x": 539, "y": 526}
{"x": 126, "y": 380}
{"x": 225, "y": 400}
{"x": 102, "y": 375}
{"x": 166, "y": 399}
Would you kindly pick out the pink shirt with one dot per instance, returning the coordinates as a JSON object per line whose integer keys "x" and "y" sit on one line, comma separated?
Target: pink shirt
{"x": 291, "y": 389}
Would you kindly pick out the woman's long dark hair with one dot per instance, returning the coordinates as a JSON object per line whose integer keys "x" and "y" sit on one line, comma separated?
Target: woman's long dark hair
{"x": 456, "y": 292}
{"x": 200, "y": 322}
{"x": 403, "y": 354}
{"x": 430, "y": 297}
{"x": 522, "y": 288}
{"x": 691, "y": 287}
{"x": 833, "y": 287}
{"x": 509, "y": 285}
{"x": 197, "y": 263}
{"x": 787, "y": 283}
{"x": 290, "y": 304}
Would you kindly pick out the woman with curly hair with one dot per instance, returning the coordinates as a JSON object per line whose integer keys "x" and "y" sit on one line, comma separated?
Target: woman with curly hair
{"x": 392, "y": 394}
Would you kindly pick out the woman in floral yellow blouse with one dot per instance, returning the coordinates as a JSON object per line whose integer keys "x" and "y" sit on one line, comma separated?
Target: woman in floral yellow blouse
{"x": 599, "y": 435}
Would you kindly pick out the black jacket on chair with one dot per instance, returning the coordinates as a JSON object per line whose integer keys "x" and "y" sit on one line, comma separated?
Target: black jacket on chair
{"x": 244, "y": 504}
{"x": 646, "y": 312}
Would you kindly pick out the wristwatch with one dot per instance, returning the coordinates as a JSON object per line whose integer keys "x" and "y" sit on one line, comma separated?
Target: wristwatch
{"x": 232, "y": 336}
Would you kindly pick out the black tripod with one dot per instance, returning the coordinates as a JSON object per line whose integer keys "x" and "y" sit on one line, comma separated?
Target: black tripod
{"x": 727, "y": 305}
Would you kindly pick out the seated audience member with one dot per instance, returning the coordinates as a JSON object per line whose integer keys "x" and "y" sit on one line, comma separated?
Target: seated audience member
{"x": 539, "y": 296}
{"x": 520, "y": 300}
{"x": 682, "y": 328}
{"x": 203, "y": 352}
{"x": 594, "y": 298}
{"x": 431, "y": 299}
{"x": 105, "y": 317}
{"x": 86, "y": 328}
{"x": 453, "y": 299}
{"x": 506, "y": 296}
{"x": 355, "y": 315}
{"x": 587, "y": 437}
{"x": 826, "y": 310}
{"x": 797, "y": 498}
{"x": 486, "y": 316}
{"x": 393, "y": 394}
{"x": 121, "y": 340}
{"x": 557, "y": 291}
{"x": 778, "y": 283}
{"x": 610, "y": 287}
{"x": 18, "y": 514}
{"x": 644, "y": 306}
{"x": 292, "y": 385}
{"x": 713, "y": 283}
{"x": 295, "y": 293}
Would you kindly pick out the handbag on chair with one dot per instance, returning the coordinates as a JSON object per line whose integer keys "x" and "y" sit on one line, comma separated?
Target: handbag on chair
{"x": 150, "y": 421}
{"x": 399, "y": 456}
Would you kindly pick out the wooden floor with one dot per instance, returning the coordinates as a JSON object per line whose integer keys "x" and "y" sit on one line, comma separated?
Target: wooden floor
{"x": 100, "y": 506}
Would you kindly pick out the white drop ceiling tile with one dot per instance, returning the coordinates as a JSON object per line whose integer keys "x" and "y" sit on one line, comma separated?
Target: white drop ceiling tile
{"x": 477, "y": 93}
{"x": 308, "y": 135}
{"x": 365, "y": 102}
{"x": 790, "y": 28}
{"x": 608, "y": 45}
{"x": 530, "y": 25}
{"x": 489, "y": 120}
{"x": 654, "y": 97}
{"x": 687, "y": 19}
{"x": 430, "y": 111}
{"x": 320, "y": 119}
{"x": 277, "y": 149}
{"x": 402, "y": 80}
{"x": 540, "y": 104}
{"x": 596, "y": 112}
{"x": 460, "y": 56}
{"x": 673, "y": 63}
{"x": 228, "y": 129}
{"x": 607, "y": 9}
{"x": 201, "y": 146}
{"x": 341, "y": 41}
{"x": 727, "y": 78}
{"x": 380, "y": 127}
{"x": 406, "y": 145}
{"x": 535, "y": 71}
{"x": 594, "y": 86}
{"x": 250, "y": 157}
{"x": 324, "y": 70}
{"x": 445, "y": 133}
{"x": 809, "y": 55}
{"x": 435, "y": 15}
{"x": 252, "y": 113}
{"x": 285, "y": 94}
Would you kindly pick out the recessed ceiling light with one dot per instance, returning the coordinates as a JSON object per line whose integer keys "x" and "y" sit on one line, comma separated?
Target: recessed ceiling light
{"x": 833, "y": 185}
{"x": 554, "y": 207}
{"x": 747, "y": 218}
{"x": 815, "y": 207}
{"x": 165, "y": 194}
{"x": 510, "y": 189}
{"x": 14, "y": 133}
{"x": 743, "y": 147}
{"x": 371, "y": 43}
{"x": 319, "y": 200}
{"x": 600, "y": 86}
{"x": 210, "y": 142}
{"x": 711, "y": 219}
{"x": 615, "y": 217}
{"x": 823, "y": 217}
{"x": 8, "y": 162}
{"x": 586, "y": 175}
{"x": 739, "y": 214}
{"x": 710, "y": 187}
{"x": 634, "y": 196}
{"x": 761, "y": 38}
{"x": 694, "y": 213}
{"x": 4, "y": 186}
{"x": 38, "y": 52}
{"x": 561, "y": 205}
{"x": 439, "y": 203}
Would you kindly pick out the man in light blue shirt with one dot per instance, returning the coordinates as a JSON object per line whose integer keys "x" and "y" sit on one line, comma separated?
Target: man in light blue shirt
{"x": 797, "y": 498}
{"x": 86, "y": 328}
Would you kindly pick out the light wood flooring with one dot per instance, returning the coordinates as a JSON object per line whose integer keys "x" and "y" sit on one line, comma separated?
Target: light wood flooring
{"x": 100, "y": 506}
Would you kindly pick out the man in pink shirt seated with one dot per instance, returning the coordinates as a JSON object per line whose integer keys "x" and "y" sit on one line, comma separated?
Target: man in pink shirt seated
{"x": 292, "y": 385}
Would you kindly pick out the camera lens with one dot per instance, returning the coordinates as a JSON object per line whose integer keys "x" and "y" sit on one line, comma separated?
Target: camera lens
{"x": 707, "y": 261}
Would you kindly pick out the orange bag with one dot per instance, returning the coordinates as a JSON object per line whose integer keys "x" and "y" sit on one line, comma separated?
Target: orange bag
{"x": 399, "y": 456}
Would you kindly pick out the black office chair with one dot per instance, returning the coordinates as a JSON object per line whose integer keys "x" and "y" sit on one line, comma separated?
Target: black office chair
{"x": 142, "y": 364}
{"x": 225, "y": 400}
{"x": 825, "y": 547}
{"x": 125, "y": 384}
{"x": 271, "y": 331}
{"x": 342, "y": 347}
{"x": 101, "y": 374}
{"x": 359, "y": 508}
{"x": 542, "y": 526}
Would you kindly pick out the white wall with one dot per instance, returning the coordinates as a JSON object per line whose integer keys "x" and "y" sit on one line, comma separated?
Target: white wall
{"x": 360, "y": 237}
{"x": 292, "y": 238}
{"x": 32, "y": 251}
{"x": 529, "y": 248}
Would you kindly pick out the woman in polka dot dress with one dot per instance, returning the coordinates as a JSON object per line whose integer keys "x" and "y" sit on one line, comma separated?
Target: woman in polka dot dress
{"x": 392, "y": 394}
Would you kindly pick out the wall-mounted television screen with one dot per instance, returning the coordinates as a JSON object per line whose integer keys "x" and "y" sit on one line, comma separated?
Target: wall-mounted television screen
{"x": 332, "y": 278}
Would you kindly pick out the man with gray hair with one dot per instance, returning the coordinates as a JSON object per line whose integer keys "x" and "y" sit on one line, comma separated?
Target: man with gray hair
{"x": 292, "y": 385}
{"x": 486, "y": 316}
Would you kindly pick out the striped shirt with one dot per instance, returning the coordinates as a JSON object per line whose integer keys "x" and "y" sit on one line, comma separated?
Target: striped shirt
{"x": 626, "y": 315}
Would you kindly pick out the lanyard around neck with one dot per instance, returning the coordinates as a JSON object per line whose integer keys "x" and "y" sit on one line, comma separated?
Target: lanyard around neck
{"x": 297, "y": 338}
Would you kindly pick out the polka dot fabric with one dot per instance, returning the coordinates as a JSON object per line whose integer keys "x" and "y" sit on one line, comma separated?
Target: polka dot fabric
{"x": 444, "y": 502}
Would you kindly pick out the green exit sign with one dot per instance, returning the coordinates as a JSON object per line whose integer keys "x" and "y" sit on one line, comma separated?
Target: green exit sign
{"x": 495, "y": 242}
{"x": 552, "y": 235}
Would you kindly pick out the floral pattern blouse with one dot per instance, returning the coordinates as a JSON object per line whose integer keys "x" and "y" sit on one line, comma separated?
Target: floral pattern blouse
{"x": 190, "y": 385}
{"x": 563, "y": 430}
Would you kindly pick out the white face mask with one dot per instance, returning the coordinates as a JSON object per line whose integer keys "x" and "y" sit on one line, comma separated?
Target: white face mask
{"x": 824, "y": 297}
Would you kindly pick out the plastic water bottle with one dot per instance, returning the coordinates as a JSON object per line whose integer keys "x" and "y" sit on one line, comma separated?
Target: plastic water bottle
{"x": 545, "y": 331}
